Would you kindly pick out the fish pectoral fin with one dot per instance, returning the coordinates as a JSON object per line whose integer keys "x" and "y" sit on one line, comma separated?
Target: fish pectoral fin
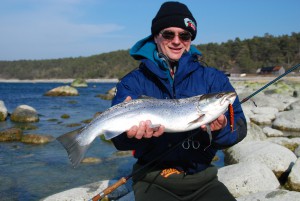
{"x": 145, "y": 97}
{"x": 155, "y": 127}
{"x": 110, "y": 134}
{"x": 201, "y": 116}
{"x": 208, "y": 130}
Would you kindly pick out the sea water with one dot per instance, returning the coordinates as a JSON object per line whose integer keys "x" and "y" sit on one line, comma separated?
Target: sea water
{"x": 31, "y": 172}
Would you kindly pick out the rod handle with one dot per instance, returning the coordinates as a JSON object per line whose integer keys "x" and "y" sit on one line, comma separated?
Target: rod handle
{"x": 110, "y": 189}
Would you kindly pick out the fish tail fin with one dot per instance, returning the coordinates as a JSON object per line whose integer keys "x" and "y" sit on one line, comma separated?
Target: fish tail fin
{"x": 71, "y": 144}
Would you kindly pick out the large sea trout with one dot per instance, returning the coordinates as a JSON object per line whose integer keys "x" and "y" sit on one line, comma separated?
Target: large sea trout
{"x": 176, "y": 115}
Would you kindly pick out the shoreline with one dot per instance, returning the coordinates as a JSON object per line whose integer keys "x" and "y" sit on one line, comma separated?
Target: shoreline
{"x": 116, "y": 80}
{"x": 100, "y": 80}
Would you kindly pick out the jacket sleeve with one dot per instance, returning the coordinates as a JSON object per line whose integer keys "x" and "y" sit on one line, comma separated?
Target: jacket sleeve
{"x": 226, "y": 137}
{"x": 128, "y": 86}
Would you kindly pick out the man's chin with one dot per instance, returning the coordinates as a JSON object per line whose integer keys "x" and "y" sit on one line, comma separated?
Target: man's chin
{"x": 175, "y": 57}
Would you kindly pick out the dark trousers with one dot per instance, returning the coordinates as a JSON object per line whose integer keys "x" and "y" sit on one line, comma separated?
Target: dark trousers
{"x": 203, "y": 186}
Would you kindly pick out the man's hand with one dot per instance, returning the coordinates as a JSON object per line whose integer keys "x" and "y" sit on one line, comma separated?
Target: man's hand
{"x": 144, "y": 129}
{"x": 217, "y": 124}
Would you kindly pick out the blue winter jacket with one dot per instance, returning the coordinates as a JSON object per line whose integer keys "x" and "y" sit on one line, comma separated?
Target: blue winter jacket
{"x": 152, "y": 78}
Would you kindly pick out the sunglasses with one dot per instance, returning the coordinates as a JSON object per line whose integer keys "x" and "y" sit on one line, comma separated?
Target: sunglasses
{"x": 170, "y": 35}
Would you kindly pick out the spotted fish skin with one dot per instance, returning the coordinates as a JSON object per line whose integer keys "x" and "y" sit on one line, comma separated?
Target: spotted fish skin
{"x": 188, "y": 113}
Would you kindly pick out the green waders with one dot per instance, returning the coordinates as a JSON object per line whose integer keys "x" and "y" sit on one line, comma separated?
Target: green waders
{"x": 202, "y": 186}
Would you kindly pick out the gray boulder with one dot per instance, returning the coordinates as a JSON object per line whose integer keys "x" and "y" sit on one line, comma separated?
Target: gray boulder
{"x": 24, "y": 113}
{"x": 294, "y": 177}
{"x": 297, "y": 151}
{"x": 88, "y": 191}
{"x": 276, "y": 157}
{"x": 247, "y": 109}
{"x": 247, "y": 177}
{"x": 109, "y": 95}
{"x": 254, "y": 133}
{"x": 262, "y": 100}
{"x": 265, "y": 110}
{"x": 3, "y": 111}
{"x": 262, "y": 119}
{"x": 37, "y": 139}
{"x": 273, "y": 195}
{"x": 11, "y": 134}
{"x": 270, "y": 132}
{"x": 286, "y": 101}
{"x": 288, "y": 121}
{"x": 290, "y": 143}
{"x": 62, "y": 91}
{"x": 79, "y": 83}
{"x": 294, "y": 106}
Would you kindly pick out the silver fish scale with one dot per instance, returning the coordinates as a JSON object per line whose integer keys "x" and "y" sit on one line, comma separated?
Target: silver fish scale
{"x": 142, "y": 103}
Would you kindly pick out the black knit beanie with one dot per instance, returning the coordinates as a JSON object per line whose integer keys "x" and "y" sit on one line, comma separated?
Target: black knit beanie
{"x": 174, "y": 14}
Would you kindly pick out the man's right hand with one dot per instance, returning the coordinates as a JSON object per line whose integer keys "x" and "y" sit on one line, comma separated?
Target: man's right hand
{"x": 144, "y": 129}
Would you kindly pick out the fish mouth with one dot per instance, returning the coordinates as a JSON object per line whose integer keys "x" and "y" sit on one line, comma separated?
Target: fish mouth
{"x": 230, "y": 97}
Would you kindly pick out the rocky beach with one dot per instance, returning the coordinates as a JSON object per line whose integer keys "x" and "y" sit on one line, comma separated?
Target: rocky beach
{"x": 265, "y": 166}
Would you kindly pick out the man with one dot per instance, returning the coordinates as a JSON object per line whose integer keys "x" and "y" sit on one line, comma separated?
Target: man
{"x": 170, "y": 69}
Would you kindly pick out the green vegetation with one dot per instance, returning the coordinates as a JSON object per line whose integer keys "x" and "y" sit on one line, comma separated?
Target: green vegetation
{"x": 248, "y": 55}
{"x": 236, "y": 56}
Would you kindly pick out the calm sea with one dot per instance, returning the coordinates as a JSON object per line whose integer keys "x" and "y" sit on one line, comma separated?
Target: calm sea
{"x": 32, "y": 172}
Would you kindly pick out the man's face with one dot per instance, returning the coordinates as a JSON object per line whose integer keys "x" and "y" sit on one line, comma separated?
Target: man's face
{"x": 173, "y": 48}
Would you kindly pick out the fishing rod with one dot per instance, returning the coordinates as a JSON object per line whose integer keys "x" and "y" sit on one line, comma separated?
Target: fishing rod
{"x": 123, "y": 180}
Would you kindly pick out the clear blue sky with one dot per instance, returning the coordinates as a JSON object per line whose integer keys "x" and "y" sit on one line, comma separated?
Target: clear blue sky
{"x": 46, "y": 29}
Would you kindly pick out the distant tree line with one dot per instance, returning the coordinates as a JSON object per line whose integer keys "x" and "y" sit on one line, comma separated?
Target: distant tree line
{"x": 246, "y": 56}
{"x": 235, "y": 56}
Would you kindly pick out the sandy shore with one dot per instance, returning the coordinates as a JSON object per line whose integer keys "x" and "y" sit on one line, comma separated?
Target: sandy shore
{"x": 56, "y": 80}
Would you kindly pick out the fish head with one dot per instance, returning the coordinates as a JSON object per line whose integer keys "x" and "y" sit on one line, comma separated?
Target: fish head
{"x": 216, "y": 101}
{"x": 228, "y": 97}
